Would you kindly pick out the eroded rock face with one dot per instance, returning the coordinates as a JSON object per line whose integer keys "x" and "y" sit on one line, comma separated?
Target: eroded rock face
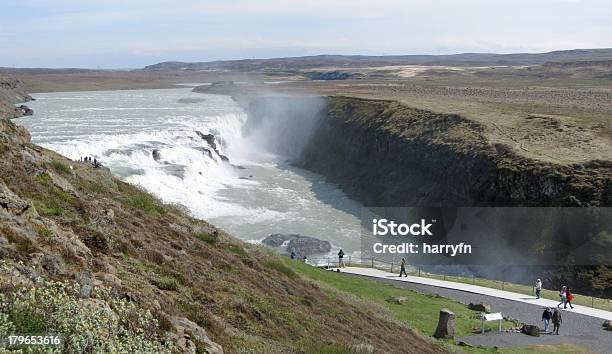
{"x": 11, "y": 202}
{"x": 10, "y": 133}
{"x": 61, "y": 183}
{"x": 190, "y": 334}
{"x": 446, "y": 325}
{"x": 301, "y": 245}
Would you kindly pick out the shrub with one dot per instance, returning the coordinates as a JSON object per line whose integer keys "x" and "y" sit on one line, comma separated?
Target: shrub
{"x": 52, "y": 207}
{"x": 42, "y": 231}
{"x": 281, "y": 267}
{"x": 208, "y": 238}
{"x": 105, "y": 325}
{"x": 166, "y": 283}
{"x": 148, "y": 204}
{"x": 60, "y": 167}
{"x": 44, "y": 178}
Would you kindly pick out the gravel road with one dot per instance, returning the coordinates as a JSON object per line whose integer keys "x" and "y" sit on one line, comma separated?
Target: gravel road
{"x": 581, "y": 330}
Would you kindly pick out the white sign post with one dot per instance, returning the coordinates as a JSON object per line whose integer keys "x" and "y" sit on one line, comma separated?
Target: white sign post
{"x": 492, "y": 317}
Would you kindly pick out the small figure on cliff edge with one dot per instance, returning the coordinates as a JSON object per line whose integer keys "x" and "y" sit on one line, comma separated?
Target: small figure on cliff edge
{"x": 341, "y": 259}
{"x": 538, "y": 287}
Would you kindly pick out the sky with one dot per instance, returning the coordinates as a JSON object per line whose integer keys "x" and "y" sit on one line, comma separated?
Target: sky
{"x": 135, "y": 33}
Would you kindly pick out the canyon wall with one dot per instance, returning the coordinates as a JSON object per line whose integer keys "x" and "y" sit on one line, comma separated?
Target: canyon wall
{"x": 386, "y": 154}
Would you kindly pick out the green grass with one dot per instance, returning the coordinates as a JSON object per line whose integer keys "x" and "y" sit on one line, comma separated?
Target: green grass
{"x": 207, "y": 238}
{"x": 166, "y": 283}
{"x": 148, "y": 204}
{"x": 44, "y": 179}
{"x": 42, "y": 231}
{"x": 330, "y": 349}
{"x": 237, "y": 250}
{"x": 419, "y": 312}
{"x": 281, "y": 267}
{"x": 60, "y": 167}
{"x": 49, "y": 208}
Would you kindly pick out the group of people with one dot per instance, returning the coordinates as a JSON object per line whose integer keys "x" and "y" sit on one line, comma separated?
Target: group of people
{"x": 294, "y": 256}
{"x": 549, "y": 315}
{"x": 565, "y": 294}
{"x": 93, "y": 161}
{"x": 552, "y": 316}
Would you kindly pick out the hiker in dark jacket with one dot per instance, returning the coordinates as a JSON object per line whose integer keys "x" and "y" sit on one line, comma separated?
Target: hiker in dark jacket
{"x": 341, "y": 259}
{"x": 556, "y": 320}
{"x": 546, "y": 316}
{"x": 403, "y": 268}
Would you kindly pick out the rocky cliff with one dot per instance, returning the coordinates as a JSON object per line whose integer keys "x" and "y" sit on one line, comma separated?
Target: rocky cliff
{"x": 393, "y": 155}
{"x": 80, "y": 248}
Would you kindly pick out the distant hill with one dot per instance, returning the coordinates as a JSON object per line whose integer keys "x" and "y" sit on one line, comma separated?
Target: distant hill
{"x": 309, "y": 62}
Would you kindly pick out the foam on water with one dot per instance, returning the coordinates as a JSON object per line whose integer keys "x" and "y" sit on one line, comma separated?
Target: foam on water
{"x": 262, "y": 196}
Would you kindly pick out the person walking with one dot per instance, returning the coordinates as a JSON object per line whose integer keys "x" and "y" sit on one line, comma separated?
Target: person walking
{"x": 403, "y": 268}
{"x": 563, "y": 296}
{"x": 546, "y": 316}
{"x": 556, "y": 320}
{"x": 341, "y": 259}
{"x": 538, "y": 288}
{"x": 293, "y": 255}
{"x": 569, "y": 298}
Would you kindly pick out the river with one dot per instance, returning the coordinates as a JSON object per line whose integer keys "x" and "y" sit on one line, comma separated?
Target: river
{"x": 255, "y": 194}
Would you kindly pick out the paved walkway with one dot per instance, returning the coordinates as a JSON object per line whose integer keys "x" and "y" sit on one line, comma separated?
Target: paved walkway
{"x": 377, "y": 273}
{"x": 581, "y": 327}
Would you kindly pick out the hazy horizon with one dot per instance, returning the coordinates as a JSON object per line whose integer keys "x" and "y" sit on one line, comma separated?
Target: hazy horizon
{"x": 113, "y": 34}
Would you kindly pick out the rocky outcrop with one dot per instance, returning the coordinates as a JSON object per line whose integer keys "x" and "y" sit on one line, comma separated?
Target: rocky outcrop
{"x": 531, "y": 330}
{"x": 446, "y": 325}
{"x": 156, "y": 155}
{"x": 398, "y": 300}
{"x": 24, "y": 110}
{"x": 301, "y": 245}
{"x": 479, "y": 307}
{"x": 189, "y": 332}
{"x": 218, "y": 87}
{"x": 10, "y": 202}
{"x": 211, "y": 141}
